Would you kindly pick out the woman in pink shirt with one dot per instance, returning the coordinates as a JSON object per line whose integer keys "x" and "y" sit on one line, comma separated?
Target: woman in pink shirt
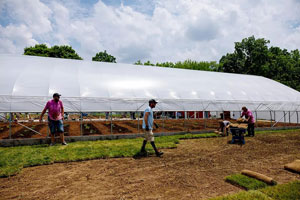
{"x": 55, "y": 118}
{"x": 250, "y": 119}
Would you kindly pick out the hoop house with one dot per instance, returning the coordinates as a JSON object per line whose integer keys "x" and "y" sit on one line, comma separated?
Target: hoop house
{"x": 28, "y": 82}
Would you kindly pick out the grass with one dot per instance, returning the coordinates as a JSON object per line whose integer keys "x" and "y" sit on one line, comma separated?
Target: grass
{"x": 13, "y": 159}
{"x": 289, "y": 191}
{"x": 245, "y": 182}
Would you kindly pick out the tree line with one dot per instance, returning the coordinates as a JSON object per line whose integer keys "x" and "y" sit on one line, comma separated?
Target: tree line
{"x": 250, "y": 56}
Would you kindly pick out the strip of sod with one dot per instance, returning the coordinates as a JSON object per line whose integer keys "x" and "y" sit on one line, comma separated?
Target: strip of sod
{"x": 287, "y": 191}
{"x": 13, "y": 159}
{"x": 245, "y": 182}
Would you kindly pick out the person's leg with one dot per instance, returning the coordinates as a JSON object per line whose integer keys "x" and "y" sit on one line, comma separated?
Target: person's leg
{"x": 60, "y": 130}
{"x": 249, "y": 130}
{"x": 52, "y": 138}
{"x": 143, "y": 149}
{"x": 252, "y": 130}
{"x": 52, "y": 130}
{"x": 158, "y": 153}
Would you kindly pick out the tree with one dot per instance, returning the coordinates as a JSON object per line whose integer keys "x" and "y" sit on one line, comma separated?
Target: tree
{"x": 104, "y": 57}
{"x": 249, "y": 57}
{"x": 252, "y": 56}
{"x": 55, "y": 51}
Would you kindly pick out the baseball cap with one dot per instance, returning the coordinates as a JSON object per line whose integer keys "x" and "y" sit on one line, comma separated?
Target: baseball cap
{"x": 152, "y": 101}
{"x": 56, "y": 95}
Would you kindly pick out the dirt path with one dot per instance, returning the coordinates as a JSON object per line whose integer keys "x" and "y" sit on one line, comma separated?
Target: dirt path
{"x": 195, "y": 170}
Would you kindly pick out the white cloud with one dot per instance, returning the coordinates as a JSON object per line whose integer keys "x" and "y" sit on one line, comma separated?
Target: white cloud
{"x": 160, "y": 30}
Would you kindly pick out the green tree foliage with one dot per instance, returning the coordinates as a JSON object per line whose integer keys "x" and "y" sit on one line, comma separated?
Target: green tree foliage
{"x": 104, "y": 57}
{"x": 55, "y": 51}
{"x": 187, "y": 64}
{"x": 253, "y": 56}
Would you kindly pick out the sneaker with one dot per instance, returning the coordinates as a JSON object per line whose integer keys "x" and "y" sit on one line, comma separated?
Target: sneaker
{"x": 51, "y": 144}
{"x": 64, "y": 143}
{"x": 159, "y": 154}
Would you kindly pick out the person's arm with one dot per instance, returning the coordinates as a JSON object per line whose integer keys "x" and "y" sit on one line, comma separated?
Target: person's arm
{"x": 62, "y": 111}
{"x": 146, "y": 120}
{"x": 43, "y": 112}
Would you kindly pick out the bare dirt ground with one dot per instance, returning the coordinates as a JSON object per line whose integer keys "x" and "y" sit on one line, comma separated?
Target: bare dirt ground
{"x": 195, "y": 170}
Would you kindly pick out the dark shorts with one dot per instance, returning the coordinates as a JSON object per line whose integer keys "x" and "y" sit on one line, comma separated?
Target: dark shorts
{"x": 55, "y": 126}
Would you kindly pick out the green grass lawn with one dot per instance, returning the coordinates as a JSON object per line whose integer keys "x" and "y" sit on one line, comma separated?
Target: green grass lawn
{"x": 245, "y": 182}
{"x": 13, "y": 159}
{"x": 289, "y": 191}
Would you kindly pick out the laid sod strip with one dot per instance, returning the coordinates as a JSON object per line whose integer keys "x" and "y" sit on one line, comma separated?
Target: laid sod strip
{"x": 245, "y": 182}
{"x": 289, "y": 191}
{"x": 283, "y": 192}
{"x": 13, "y": 159}
{"x": 250, "y": 195}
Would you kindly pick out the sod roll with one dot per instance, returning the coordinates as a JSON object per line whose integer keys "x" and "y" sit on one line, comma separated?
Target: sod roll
{"x": 293, "y": 166}
{"x": 259, "y": 176}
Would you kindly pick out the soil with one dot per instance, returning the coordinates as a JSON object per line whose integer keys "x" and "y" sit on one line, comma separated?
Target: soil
{"x": 72, "y": 128}
{"x": 194, "y": 170}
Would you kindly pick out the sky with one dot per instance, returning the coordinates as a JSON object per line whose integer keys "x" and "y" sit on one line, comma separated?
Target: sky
{"x": 158, "y": 30}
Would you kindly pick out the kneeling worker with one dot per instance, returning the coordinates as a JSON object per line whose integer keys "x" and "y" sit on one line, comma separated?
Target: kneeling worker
{"x": 224, "y": 127}
{"x": 148, "y": 126}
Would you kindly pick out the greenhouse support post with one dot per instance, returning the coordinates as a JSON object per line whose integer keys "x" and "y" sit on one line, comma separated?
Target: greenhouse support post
{"x": 47, "y": 127}
{"x": 297, "y": 117}
{"x": 138, "y": 119}
{"x": 204, "y": 116}
{"x": 284, "y": 118}
{"x": 256, "y": 118}
{"x": 111, "y": 124}
{"x": 289, "y": 117}
{"x": 81, "y": 132}
{"x": 10, "y": 125}
{"x": 163, "y": 119}
{"x": 271, "y": 118}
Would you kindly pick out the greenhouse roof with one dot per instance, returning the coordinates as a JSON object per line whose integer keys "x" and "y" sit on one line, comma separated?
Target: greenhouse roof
{"x": 28, "y": 82}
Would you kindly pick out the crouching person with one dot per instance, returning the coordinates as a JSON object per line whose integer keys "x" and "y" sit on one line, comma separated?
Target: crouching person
{"x": 148, "y": 127}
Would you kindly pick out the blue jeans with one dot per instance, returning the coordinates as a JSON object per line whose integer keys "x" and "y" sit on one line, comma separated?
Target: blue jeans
{"x": 55, "y": 126}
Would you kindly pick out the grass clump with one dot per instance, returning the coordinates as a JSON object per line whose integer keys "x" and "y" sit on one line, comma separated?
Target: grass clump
{"x": 283, "y": 192}
{"x": 289, "y": 191}
{"x": 245, "y": 182}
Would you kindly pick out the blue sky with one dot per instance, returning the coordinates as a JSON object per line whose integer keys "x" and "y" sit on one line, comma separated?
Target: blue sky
{"x": 158, "y": 30}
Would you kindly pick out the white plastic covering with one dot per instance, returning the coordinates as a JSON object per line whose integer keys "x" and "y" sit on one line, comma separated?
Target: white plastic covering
{"x": 27, "y": 82}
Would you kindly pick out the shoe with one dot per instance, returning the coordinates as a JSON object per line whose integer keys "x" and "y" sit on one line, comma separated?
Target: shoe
{"x": 64, "y": 143}
{"x": 143, "y": 153}
{"x": 158, "y": 154}
{"x": 51, "y": 144}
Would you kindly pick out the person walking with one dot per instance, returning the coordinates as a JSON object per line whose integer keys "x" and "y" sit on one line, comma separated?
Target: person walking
{"x": 55, "y": 118}
{"x": 250, "y": 120}
{"x": 148, "y": 127}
